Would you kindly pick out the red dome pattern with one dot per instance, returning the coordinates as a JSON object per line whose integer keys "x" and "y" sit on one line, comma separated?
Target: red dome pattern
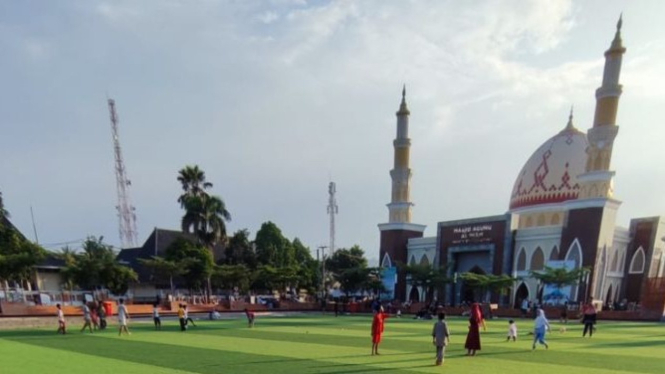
{"x": 550, "y": 174}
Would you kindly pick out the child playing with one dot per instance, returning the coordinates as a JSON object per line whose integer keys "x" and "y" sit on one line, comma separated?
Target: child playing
{"x": 541, "y": 325}
{"x": 250, "y": 318}
{"x": 181, "y": 317}
{"x": 123, "y": 316}
{"x": 62, "y": 325}
{"x": 155, "y": 316}
{"x": 87, "y": 319}
{"x": 512, "y": 331}
{"x": 440, "y": 337}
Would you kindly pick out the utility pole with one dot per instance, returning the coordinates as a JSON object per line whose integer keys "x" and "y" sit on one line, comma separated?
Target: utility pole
{"x": 126, "y": 211}
{"x": 322, "y": 248}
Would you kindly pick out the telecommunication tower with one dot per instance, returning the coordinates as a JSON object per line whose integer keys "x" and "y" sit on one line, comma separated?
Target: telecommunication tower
{"x": 126, "y": 211}
{"x": 332, "y": 210}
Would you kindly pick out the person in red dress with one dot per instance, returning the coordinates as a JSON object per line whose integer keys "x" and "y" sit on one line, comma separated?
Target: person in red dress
{"x": 377, "y": 329}
{"x": 473, "y": 337}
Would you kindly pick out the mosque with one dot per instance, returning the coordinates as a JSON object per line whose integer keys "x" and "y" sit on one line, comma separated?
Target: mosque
{"x": 562, "y": 213}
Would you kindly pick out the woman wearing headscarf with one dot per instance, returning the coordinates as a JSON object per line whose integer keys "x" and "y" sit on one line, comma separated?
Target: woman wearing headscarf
{"x": 473, "y": 337}
{"x": 540, "y": 326}
{"x": 589, "y": 319}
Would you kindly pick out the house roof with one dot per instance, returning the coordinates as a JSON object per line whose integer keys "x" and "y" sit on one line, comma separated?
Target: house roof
{"x": 156, "y": 245}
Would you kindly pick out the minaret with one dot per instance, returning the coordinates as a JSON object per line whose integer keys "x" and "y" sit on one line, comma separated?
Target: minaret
{"x": 400, "y": 204}
{"x": 395, "y": 235}
{"x": 597, "y": 182}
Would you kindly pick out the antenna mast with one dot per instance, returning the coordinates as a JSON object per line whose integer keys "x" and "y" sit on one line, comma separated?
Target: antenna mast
{"x": 332, "y": 210}
{"x": 126, "y": 211}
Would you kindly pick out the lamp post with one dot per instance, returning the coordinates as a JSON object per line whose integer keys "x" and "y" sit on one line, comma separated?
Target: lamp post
{"x": 455, "y": 290}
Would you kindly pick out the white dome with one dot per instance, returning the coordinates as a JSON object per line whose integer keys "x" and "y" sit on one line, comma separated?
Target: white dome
{"x": 550, "y": 174}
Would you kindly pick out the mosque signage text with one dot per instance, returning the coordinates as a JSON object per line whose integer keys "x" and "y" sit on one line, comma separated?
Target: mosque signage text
{"x": 471, "y": 234}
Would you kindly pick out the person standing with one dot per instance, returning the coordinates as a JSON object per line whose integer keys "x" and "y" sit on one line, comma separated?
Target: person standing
{"x": 181, "y": 317}
{"x": 62, "y": 324}
{"x": 525, "y": 307}
{"x": 250, "y": 318}
{"x": 155, "y": 316}
{"x": 187, "y": 319}
{"x": 87, "y": 319}
{"x": 101, "y": 313}
{"x": 540, "y": 327}
{"x": 377, "y": 329}
{"x": 473, "y": 337}
{"x": 589, "y": 319}
{"x": 123, "y": 316}
{"x": 440, "y": 337}
{"x": 512, "y": 331}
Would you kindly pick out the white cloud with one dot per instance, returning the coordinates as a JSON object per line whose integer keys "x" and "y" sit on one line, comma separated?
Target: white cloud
{"x": 268, "y": 17}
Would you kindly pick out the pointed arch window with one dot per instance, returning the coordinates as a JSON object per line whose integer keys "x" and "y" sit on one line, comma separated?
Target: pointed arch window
{"x": 615, "y": 261}
{"x": 424, "y": 261}
{"x": 537, "y": 259}
{"x": 521, "y": 260}
{"x": 413, "y": 260}
{"x": 554, "y": 255}
{"x": 386, "y": 263}
{"x": 637, "y": 263}
{"x": 575, "y": 254}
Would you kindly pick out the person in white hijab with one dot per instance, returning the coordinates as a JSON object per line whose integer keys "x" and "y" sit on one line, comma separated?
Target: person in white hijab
{"x": 541, "y": 325}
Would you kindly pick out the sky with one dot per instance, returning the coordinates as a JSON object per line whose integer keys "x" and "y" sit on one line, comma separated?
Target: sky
{"x": 274, "y": 99}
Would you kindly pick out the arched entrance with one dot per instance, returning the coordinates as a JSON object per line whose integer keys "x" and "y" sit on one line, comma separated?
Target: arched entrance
{"x": 414, "y": 295}
{"x": 469, "y": 294}
{"x": 521, "y": 294}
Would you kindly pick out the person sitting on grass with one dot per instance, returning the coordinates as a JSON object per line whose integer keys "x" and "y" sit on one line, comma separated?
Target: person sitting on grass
{"x": 250, "y": 317}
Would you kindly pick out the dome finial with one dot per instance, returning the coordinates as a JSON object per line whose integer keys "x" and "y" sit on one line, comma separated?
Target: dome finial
{"x": 616, "y": 43}
{"x": 569, "y": 125}
{"x": 403, "y": 109}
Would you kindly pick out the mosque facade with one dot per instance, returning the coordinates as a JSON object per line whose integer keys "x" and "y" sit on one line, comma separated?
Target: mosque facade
{"x": 562, "y": 213}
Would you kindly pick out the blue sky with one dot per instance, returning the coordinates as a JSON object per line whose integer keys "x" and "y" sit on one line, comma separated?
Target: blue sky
{"x": 273, "y": 98}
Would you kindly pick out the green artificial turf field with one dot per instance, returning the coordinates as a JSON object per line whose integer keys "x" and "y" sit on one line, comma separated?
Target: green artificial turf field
{"x": 315, "y": 344}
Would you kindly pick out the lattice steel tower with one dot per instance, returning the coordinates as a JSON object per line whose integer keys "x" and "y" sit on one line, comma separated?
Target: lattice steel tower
{"x": 332, "y": 210}
{"x": 126, "y": 211}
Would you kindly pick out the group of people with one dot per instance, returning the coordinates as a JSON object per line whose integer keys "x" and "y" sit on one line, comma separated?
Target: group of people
{"x": 94, "y": 317}
{"x": 441, "y": 333}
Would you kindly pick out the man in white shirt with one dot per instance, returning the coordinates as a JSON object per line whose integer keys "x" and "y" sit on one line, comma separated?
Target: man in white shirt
{"x": 123, "y": 316}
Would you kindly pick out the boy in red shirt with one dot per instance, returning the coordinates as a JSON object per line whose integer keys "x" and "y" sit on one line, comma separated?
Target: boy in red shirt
{"x": 377, "y": 329}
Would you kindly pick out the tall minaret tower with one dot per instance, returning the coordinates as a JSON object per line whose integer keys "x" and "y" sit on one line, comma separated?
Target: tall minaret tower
{"x": 396, "y": 233}
{"x": 597, "y": 182}
{"x": 400, "y": 204}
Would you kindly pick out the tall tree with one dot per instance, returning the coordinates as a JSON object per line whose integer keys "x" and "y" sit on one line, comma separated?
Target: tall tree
{"x": 427, "y": 277}
{"x": 272, "y": 248}
{"x": 193, "y": 181}
{"x": 165, "y": 269}
{"x": 205, "y": 215}
{"x": 96, "y": 267}
{"x": 195, "y": 261}
{"x": 3, "y": 212}
{"x": 239, "y": 250}
{"x": 345, "y": 259}
{"x": 18, "y": 256}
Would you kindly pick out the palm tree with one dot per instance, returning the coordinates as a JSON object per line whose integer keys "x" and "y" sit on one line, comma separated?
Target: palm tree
{"x": 193, "y": 181}
{"x": 205, "y": 217}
